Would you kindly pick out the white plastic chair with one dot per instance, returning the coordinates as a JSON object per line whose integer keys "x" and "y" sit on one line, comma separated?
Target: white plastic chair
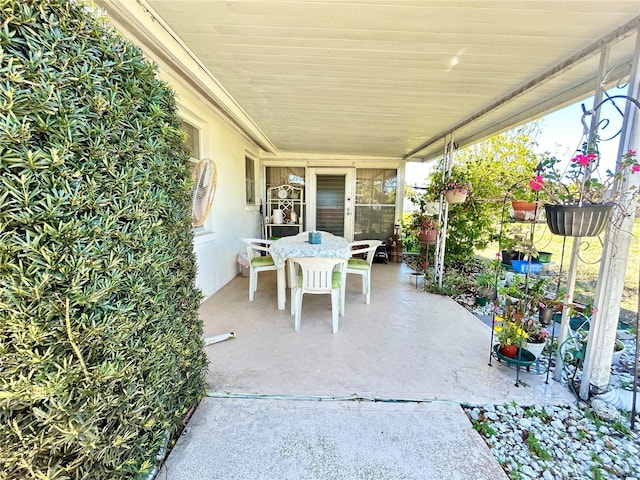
{"x": 257, "y": 261}
{"x": 362, "y": 253}
{"x": 319, "y": 276}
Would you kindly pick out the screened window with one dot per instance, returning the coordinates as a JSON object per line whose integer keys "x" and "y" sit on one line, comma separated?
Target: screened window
{"x": 375, "y": 203}
{"x": 250, "y": 180}
{"x": 285, "y": 176}
{"x": 193, "y": 140}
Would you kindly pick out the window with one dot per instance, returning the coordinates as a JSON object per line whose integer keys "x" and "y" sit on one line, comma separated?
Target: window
{"x": 277, "y": 176}
{"x": 193, "y": 145}
{"x": 375, "y": 203}
{"x": 193, "y": 140}
{"x": 250, "y": 180}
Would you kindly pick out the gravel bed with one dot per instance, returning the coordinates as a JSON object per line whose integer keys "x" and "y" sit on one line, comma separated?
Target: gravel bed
{"x": 564, "y": 441}
{"x": 557, "y": 442}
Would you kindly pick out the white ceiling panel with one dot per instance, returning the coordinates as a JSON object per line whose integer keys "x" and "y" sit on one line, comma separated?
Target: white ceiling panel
{"x": 382, "y": 77}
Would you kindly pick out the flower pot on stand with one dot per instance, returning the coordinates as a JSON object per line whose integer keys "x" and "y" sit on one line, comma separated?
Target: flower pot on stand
{"x": 544, "y": 257}
{"x": 545, "y": 315}
{"x": 525, "y": 211}
{"x": 428, "y": 236}
{"x": 456, "y": 195}
{"x": 576, "y": 220}
{"x": 509, "y": 350}
{"x": 535, "y": 348}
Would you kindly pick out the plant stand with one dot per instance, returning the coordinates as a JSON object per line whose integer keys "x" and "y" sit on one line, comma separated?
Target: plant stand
{"x": 523, "y": 358}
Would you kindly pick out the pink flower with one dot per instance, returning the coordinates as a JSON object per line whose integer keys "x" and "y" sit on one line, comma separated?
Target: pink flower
{"x": 498, "y": 254}
{"x": 635, "y": 168}
{"x": 584, "y": 160}
{"x": 631, "y": 152}
{"x": 536, "y": 183}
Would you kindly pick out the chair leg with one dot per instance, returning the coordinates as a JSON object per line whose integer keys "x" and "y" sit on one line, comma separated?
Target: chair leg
{"x": 252, "y": 284}
{"x": 364, "y": 284}
{"x": 293, "y": 300}
{"x": 335, "y": 294}
{"x": 367, "y": 280}
{"x": 343, "y": 293}
{"x": 298, "y": 309}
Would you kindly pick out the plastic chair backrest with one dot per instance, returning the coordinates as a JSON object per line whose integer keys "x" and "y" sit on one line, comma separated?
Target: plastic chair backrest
{"x": 319, "y": 275}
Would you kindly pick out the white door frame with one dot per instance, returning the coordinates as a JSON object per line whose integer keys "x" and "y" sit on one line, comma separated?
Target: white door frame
{"x": 349, "y": 196}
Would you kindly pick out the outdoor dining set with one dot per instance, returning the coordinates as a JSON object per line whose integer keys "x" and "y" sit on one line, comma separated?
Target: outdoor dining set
{"x": 311, "y": 263}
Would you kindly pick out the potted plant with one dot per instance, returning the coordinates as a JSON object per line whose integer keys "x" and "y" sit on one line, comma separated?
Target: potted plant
{"x": 510, "y": 331}
{"x": 454, "y": 186}
{"x": 428, "y": 230}
{"x": 525, "y": 206}
{"x": 515, "y": 244}
{"x": 422, "y": 225}
{"x": 486, "y": 282}
{"x": 536, "y": 338}
{"x": 582, "y": 200}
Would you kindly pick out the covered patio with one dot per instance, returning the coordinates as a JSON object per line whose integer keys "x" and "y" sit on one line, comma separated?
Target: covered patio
{"x": 405, "y": 345}
{"x": 380, "y": 399}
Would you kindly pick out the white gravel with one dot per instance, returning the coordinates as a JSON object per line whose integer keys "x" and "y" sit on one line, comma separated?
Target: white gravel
{"x": 563, "y": 441}
{"x": 557, "y": 442}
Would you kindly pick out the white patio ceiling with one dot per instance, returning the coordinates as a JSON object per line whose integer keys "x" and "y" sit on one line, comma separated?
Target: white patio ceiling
{"x": 384, "y": 77}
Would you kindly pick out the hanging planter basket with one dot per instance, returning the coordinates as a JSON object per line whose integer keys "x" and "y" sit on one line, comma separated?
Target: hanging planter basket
{"x": 455, "y": 196}
{"x": 578, "y": 221}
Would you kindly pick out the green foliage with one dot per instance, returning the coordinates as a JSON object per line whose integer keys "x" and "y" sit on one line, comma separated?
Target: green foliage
{"x": 100, "y": 341}
{"x": 537, "y": 449}
{"x": 597, "y": 473}
{"x": 421, "y": 219}
{"x": 483, "y": 428}
{"x": 500, "y": 164}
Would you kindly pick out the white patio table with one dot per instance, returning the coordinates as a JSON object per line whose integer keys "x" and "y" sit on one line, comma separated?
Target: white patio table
{"x": 330, "y": 246}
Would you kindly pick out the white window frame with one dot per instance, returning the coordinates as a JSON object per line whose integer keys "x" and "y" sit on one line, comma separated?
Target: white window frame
{"x": 250, "y": 184}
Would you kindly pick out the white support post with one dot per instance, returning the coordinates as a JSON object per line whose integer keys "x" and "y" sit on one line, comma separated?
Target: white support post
{"x": 602, "y": 334}
{"x": 443, "y": 216}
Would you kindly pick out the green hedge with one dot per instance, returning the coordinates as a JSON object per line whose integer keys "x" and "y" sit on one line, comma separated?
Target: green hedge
{"x": 100, "y": 343}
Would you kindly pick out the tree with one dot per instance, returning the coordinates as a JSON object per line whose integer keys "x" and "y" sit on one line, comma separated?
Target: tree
{"x": 495, "y": 167}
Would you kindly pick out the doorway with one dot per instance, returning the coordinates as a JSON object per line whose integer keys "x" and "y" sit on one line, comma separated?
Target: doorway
{"x": 331, "y": 202}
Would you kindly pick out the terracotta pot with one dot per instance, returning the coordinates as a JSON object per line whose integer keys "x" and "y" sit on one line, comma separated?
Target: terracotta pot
{"x": 509, "y": 350}
{"x": 523, "y": 206}
{"x": 455, "y": 196}
{"x": 428, "y": 236}
{"x": 525, "y": 211}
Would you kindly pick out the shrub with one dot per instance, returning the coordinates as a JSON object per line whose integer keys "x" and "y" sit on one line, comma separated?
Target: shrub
{"x": 100, "y": 341}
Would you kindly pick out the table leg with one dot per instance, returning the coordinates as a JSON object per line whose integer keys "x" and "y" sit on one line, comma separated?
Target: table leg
{"x": 282, "y": 288}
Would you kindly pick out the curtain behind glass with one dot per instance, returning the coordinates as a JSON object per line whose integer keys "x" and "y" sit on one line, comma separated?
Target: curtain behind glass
{"x": 375, "y": 203}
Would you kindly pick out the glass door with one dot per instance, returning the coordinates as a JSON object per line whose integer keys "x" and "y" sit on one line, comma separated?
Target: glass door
{"x": 331, "y": 201}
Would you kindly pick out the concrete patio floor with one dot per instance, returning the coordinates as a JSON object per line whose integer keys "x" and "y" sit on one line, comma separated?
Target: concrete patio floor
{"x": 420, "y": 356}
